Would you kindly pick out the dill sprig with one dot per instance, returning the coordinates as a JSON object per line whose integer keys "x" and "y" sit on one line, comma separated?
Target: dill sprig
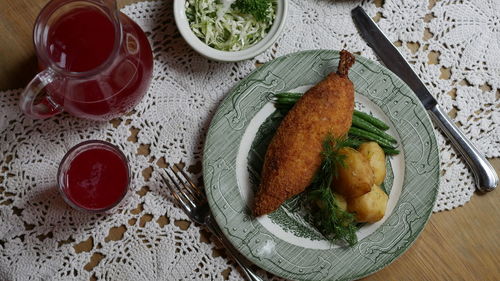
{"x": 258, "y": 8}
{"x": 333, "y": 222}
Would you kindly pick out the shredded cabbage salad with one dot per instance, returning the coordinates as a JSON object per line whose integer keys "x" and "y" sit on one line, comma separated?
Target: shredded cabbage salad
{"x": 221, "y": 27}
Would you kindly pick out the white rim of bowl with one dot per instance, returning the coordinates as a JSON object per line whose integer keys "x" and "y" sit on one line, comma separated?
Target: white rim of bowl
{"x": 228, "y": 56}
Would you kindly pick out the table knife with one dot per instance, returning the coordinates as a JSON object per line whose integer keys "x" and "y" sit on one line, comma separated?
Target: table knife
{"x": 485, "y": 176}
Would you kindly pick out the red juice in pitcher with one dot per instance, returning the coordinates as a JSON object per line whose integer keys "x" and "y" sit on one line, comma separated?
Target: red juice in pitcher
{"x": 94, "y": 176}
{"x": 81, "y": 39}
{"x": 107, "y": 61}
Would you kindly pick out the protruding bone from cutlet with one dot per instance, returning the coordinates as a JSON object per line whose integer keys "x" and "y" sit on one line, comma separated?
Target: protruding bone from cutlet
{"x": 346, "y": 61}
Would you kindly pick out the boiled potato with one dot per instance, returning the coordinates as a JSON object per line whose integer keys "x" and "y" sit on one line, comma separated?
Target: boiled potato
{"x": 376, "y": 157}
{"x": 369, "y": 207}
{"x": 356, "y": 177}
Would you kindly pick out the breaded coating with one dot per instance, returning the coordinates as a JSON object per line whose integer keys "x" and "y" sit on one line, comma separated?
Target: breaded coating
{"x": 294, "y": 154}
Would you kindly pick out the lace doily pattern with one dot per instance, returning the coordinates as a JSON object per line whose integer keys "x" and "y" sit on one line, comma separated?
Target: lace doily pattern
{"x": 453, "y": 46}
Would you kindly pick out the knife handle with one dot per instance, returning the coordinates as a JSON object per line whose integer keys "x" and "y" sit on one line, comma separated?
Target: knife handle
{"x": 484, "y": 174}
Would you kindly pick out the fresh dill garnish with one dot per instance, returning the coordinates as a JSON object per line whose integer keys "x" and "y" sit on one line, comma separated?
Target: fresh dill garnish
{"x": 258, "y": 8}
{"x": 333, "y": 222}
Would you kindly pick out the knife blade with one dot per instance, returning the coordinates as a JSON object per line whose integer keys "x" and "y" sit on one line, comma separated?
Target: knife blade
{"x": 485, "y": 176}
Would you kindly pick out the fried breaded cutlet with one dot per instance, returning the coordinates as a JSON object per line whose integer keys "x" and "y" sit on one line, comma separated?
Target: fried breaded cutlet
{"x": 294, "y": 154}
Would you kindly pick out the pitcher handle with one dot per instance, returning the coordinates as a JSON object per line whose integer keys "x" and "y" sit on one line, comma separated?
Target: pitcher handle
{"x": 34, "y": 102}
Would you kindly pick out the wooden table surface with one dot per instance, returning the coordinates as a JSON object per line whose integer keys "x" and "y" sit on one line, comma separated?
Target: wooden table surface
{"x": 461, "y": 244}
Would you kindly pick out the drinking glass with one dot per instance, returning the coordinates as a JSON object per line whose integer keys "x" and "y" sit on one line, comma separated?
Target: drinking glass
{"x": 94, "y": 176}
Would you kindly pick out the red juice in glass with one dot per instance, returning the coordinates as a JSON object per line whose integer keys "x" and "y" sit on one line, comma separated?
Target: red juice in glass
{"x": 94, "y": 176}
{"x": 96, "y": 62}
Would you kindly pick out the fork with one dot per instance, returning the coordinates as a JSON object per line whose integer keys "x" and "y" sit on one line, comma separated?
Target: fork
{"x": 194, "y": 203}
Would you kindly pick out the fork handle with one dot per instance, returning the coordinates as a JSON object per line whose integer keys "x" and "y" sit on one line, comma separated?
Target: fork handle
{"x": 214, "y": 228}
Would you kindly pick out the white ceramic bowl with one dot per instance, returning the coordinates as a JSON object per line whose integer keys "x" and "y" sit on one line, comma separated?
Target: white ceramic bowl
{"x": 228, "y": 56}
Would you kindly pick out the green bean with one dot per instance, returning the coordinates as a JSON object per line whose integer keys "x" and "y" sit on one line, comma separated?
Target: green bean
{"x": 390, "y": 151}
{"x": 283, "y": 105}
{"x": 363, "y": 124}
{"x": 295, "y": 96}
{"x": 376, "y": 122}
{"x": 355, "y": 143}
{"x": 370, "y": 136}
{"x": 286, "y": 101}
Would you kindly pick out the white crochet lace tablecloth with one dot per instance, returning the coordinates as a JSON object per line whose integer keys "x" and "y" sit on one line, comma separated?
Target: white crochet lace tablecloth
{"x": 455, "y": 49}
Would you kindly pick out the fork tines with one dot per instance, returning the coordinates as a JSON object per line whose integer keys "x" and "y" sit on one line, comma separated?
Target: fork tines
{"x": 182, "y": 187}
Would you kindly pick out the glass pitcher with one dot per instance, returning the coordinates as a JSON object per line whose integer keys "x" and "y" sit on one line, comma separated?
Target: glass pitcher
{"x": 95, "y": 62}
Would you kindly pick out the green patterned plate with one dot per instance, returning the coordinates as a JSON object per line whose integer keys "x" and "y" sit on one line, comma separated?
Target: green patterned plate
{"x": 284, "y": 242}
